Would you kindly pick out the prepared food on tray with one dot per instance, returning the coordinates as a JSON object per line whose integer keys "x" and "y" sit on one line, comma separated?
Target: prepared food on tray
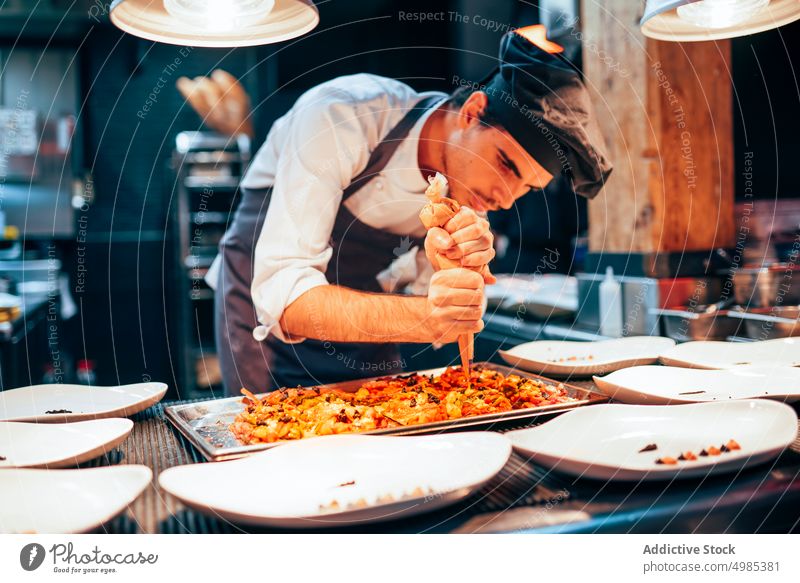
{"x": 411, "y": 399}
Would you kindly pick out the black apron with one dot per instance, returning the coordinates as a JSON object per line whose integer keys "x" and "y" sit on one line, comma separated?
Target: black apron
{"x": 360, "y": 252}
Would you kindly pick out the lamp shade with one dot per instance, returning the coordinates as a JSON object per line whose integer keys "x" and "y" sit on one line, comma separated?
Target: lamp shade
{"x": 215, "y": 23}
{"x": 699, "y": 20}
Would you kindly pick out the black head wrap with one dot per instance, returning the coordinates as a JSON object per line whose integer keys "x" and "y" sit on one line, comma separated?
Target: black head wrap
{"x": 540, "y": 99}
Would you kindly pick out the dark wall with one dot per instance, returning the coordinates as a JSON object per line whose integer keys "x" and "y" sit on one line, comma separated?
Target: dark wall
{"x": 765, "y": 112}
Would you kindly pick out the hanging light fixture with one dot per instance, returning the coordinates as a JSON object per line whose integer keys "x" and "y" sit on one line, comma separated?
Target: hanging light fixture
{"x": 698, "y": 20}
{"x": 215, "y": 23}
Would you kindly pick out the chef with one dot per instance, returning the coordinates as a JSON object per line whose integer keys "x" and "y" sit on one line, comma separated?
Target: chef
{"x": 326, "y": 244}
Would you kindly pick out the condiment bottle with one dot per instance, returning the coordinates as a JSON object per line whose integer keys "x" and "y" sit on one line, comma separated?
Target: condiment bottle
{"x": 610, "y": 305}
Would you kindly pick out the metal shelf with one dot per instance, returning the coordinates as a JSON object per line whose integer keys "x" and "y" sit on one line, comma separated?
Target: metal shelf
{"x": 201, "y": 154}
{"x": 200, "y": 260}
{"x": 200, "y": 183}
{"x": 201, "y": 295}
{"x": 210, "y": 218}
{"x": 198, "y": 274}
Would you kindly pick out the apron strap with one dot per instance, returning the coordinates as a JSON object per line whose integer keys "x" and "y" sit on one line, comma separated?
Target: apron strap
{"x": 385, "y": 150}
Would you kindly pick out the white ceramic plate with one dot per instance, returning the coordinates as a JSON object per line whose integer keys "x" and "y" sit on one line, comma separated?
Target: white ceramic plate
{"x": 287, "y": 486}
{"x": 717, "y": 354}
{"x": 83, "y": 402}
{"x": 67, "y": 501}
{"x": 604, "y": 441}
{"x": 551, "y": 357}
{"x": 665, "y": 385}
{"x": 40, "y": 445}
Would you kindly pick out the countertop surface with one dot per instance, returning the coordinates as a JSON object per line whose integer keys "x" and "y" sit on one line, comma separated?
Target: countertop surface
{"x": 522, "y": 498}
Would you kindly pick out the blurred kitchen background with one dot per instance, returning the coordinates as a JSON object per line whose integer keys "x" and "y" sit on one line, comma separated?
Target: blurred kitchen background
{"x": 113, "y": 194}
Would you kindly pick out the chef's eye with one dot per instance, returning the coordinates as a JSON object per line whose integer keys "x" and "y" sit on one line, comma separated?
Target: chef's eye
{"x": 504, "y": 165}
{"x": 508, "y": 163}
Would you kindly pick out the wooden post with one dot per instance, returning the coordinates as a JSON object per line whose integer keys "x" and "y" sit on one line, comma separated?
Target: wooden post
{"x": 666, "y": 112}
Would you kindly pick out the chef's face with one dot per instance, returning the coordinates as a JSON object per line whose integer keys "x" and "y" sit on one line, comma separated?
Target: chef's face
{"x": 487, "y": 169}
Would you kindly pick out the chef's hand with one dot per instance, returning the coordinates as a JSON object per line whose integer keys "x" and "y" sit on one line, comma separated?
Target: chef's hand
{"x": 466, "y": 238}
{"x": 455, "y": 304}
{"x": 220, "y": 100}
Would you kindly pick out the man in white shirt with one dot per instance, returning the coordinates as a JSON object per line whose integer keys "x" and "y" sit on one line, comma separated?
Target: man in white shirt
{"x": 328, "y": 231}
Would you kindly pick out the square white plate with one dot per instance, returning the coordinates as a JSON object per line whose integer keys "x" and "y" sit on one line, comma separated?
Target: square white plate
{"x": 669, "y": 385}
{"x": 67, "y": 501}
{"x": 717, "y": 354}
{"x": 369, "y": 478}
{"x": 83, "y": 402}
{"x": 576, "y": 359}
{"x": 605, "y": 441}
{"x": 40, "y": 445}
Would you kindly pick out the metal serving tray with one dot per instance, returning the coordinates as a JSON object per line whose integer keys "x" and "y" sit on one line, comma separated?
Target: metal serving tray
{"x": 205, "y": 424}
{"x": 770, "y": 323}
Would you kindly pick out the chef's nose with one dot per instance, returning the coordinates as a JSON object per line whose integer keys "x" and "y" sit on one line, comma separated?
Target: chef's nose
{"x": 504, "y": 197}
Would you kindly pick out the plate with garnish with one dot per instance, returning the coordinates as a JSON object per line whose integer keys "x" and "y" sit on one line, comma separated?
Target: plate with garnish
{"x": 579, "y": 359}
{"x": 631, "y": 442}
{"x": 342, "y": 480}
{"x": 58, "y": 403}
{"x": 670, "y": 385}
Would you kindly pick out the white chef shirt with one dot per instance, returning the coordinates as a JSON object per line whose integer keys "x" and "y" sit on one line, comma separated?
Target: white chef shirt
{"x": 310, "y": 156}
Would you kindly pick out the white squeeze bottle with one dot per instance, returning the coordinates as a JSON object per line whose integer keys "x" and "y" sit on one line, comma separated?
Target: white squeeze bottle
{"x": 610, "y": 305}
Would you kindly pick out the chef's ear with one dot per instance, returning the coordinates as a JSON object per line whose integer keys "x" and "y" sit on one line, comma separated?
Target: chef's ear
{"x": 473, "y": 109}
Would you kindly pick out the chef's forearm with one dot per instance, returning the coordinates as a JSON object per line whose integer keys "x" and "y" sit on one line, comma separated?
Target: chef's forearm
{"x": 341, "y": 314}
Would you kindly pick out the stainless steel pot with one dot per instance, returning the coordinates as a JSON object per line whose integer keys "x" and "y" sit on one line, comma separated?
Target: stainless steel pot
{"x": 764, "y": 287}
{"x": 685, "y": 324}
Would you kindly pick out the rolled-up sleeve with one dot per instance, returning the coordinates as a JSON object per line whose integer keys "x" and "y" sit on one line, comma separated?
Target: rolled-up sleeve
{"x": 325, "y": 147}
